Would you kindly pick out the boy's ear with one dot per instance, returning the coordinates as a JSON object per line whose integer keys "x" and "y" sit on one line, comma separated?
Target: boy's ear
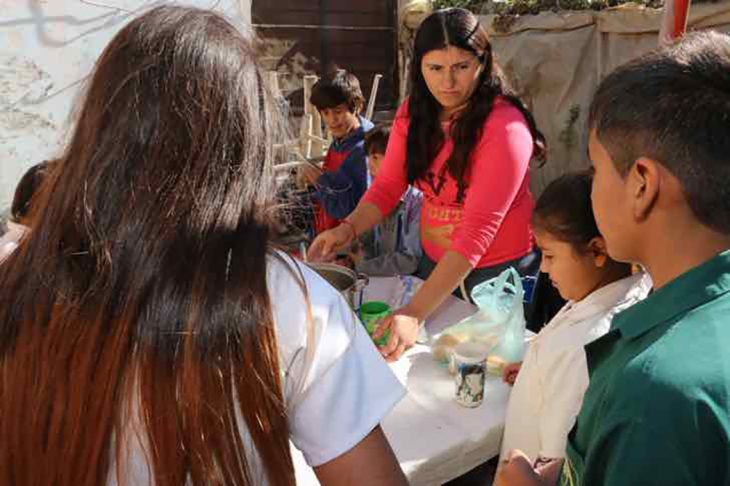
{"x": 644, "y": 179}
{"x": 597, "y": 248}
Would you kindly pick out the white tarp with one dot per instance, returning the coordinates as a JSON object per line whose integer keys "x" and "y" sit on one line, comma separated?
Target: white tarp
{"x": 556, "y": 61}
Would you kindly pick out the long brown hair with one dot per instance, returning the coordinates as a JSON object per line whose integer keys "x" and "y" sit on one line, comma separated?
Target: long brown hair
{"x": 141, "y": 293}
{"x": 460, "y": 28}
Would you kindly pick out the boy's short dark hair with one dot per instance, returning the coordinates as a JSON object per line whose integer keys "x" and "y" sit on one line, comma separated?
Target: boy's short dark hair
{"x": 673, "y": 105}
{"x": 26, "y": 189}
{"x": 376, "y": 139}
{"x": 336, "y": 89}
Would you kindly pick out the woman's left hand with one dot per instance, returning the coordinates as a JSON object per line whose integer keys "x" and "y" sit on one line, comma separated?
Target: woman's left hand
{"x": 403, "y": 326}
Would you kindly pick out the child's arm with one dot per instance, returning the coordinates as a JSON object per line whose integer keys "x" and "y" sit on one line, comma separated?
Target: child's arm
{"x": 339, "y": 192}
{"x": 509, "y": 373}
{"x": 516, "y": 470}
{"x": 309, "y": 174}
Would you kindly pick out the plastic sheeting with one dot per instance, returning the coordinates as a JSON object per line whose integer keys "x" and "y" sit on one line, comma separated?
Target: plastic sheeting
{"x": 556, "y": 60}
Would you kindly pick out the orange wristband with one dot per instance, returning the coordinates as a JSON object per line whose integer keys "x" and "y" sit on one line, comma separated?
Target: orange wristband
{"x": 352, "y": 227}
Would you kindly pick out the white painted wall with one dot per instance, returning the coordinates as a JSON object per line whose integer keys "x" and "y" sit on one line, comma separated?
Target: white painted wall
{"x": 47, "y": 48}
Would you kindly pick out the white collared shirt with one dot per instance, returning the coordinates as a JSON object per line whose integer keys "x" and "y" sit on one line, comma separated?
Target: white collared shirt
{"x": 337, "y": 387}
{"x": 548, "y": 392}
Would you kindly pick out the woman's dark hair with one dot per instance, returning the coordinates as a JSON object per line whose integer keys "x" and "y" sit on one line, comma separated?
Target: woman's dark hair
{"x": 137, "y": 309}
{"x": 458, "y": 28}
{"x": 672, "y": 105}
{"x": 26, "y": 188}
{"x": 376, "y": 139}
{"x": 564, "y": 210}
{"x": 340, "y": 87}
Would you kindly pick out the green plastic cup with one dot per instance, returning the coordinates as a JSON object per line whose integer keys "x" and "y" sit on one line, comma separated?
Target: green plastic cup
{"x": 371, "y": 313}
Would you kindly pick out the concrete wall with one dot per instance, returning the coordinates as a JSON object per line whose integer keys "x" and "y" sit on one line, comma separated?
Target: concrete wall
{"x": 47, "y": 48}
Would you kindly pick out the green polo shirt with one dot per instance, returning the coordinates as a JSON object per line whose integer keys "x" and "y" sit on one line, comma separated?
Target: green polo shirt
{"x": 657, "y": 410}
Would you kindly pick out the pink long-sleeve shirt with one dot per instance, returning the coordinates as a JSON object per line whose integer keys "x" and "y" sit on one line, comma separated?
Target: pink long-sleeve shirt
{"x": 489, "y": 223}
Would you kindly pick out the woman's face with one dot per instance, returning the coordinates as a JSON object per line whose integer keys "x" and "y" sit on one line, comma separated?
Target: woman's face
{"x": 451, "y": 76}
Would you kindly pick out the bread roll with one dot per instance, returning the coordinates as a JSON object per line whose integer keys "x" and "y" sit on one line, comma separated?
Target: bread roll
{"x": 443, "y": 348}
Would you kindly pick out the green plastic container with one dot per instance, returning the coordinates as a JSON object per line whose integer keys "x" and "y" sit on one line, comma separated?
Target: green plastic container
{"x": 371, "y": 313}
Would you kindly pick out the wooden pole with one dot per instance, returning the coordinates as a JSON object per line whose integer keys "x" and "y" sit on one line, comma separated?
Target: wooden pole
{"x": 311, "y": 123}
{"x": 373, "y": 96}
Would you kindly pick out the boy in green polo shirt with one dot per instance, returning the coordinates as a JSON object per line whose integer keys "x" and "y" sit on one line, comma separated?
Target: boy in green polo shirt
{"x": 657, "y": 410}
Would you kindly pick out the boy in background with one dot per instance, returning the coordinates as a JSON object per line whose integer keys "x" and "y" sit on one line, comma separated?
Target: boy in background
{"x": 394, "y": 246}
{"x": 342, "y": 181}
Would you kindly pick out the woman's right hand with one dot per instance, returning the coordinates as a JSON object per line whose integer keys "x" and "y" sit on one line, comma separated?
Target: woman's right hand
{"x": 326, "y": 244}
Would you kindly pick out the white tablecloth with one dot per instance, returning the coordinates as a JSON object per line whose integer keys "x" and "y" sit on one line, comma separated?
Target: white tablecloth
{"x": 434, "y": 438}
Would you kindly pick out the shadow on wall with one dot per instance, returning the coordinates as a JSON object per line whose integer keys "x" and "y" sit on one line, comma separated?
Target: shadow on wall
{"x": 47, "y": 49}
{"x": 41, "y": 21}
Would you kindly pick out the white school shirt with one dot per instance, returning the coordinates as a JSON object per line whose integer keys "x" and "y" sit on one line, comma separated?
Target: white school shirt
{"x": 548, "y": 392}
{"x": 337, "y": 387}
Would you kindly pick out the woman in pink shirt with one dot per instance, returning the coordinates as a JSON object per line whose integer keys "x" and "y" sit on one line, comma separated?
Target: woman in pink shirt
{"x": 466, "y": 142}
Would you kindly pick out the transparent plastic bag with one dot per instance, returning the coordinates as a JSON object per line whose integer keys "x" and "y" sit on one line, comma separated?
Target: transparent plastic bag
{"x": 498, "y": 325}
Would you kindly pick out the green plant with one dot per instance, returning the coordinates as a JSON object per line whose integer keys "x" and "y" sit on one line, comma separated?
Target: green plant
{"x": 532, "y": 7}
{"x": 503, "y": 22}
{"x": 568, "y": 136}
{"x": 473, "y": 5}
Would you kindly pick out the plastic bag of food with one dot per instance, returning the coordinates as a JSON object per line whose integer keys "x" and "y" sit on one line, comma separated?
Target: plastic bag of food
{"x": 499, "y": 324}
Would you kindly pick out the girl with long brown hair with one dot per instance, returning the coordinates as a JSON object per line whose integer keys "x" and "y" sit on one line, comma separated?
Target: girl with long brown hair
{"x": 149, "y": 332}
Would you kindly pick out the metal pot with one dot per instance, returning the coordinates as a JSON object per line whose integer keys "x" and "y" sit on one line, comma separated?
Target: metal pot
{"x": 348, "y": 282}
